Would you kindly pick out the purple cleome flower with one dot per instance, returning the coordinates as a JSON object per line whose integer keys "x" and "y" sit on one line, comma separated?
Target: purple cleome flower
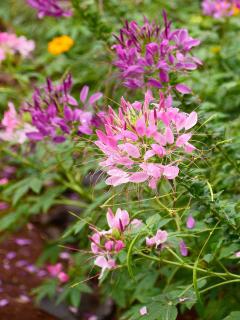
{"x": 56, "y": 114}
{"x": 151, "y": 56}
{"x": 53, "y": 8}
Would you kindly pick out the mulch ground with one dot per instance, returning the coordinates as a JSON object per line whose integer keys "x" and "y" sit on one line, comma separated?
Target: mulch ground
{"x": 18, "y": 275}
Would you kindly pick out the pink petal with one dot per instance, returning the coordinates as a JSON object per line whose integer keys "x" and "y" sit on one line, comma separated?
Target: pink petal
{"x": 191, "y": 222}
{"x": 171, "y": 172}
{"x": 153, "y": 183}
{"x": 182, "y": 88}
{"x": 117, "y": 173}
{"x": 161, "y": 236}
{"x": 123, "y": 216}
{"x": 183, "y": 248}
{"x": 159, "y": 150}
{"x": 143, "y": 311}
{"x": 138, "y": 177}
{"x": 116, "y": 181}
{"x": 169, "y": 135}
{"x": 141, "y": 126}
{"x": 191, "y": 120}
{"x": 137, "y": 105}
{"x": 110, "y": 218}
{"x": 131, "y": 149}
{"x": 101, "y": 262}
{"x": 160, "y": 138}
{"x": 150, "y": 241}
{"x": 63, "y": 277}
{"x": 149, "y": 154}
{"x": 72, "y": 101}
{"x": 95, "y": 97}
{"x": 119, "y": 245}
{"x": 102, "y": 136}
{"x": 183, "y": 139}
{"x": 189, "y": 147}
{"x": 237, "y": 254}
{"x": 54, "y": 269}
{"x": 109, "y": 245}
{"x": 84, "y": 93}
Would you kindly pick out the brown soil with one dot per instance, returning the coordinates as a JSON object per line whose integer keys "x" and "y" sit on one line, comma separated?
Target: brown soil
{"x": 18, "y": 277}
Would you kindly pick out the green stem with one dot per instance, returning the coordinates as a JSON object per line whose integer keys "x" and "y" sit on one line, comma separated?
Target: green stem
{"x": 68, "y": 202}
{"x": 219, "y": 284}
{"x": 190, "y": 267}
{"x": 172, "y": 213}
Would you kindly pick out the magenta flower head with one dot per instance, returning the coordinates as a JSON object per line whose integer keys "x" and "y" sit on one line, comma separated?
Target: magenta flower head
{"x": 53, "y": 8}
{"x": 145, "y": 141}
{"x": 220, "y": 8}
{"x": 56, "y": 114}
{"x": 152, "y": 56}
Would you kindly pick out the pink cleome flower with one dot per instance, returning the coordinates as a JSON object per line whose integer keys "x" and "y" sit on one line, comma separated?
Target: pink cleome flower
{"x": 220, "y": 8}
{"x": 106, "y": 244}
{"x": 15, "y": 130}
{"x": 10, "y": 44}
{"x": 56, "y": 271}
{"x": 141, "y": 143}
{"x": 160, "y": 238}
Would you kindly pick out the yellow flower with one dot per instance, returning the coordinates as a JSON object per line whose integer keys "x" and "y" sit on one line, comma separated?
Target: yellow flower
{"x": 236, "y": 11}
{"x": 215, "y": 49}
{"x": 60, "y": 44}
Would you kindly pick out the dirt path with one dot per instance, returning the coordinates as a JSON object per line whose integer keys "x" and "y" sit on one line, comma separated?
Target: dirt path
{"x": 18, "y": 275}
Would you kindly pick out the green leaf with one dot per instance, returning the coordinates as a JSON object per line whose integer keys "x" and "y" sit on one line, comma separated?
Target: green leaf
{"x": 36, "y": 184}
{"x": 235, "y": 315}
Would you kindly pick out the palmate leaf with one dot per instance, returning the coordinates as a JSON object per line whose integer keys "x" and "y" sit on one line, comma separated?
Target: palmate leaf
{"x": 19, "y": 189}
{"x": 12, "y": 219}
{"x": 155, "y": 311}
{"x": 235, "y": 315}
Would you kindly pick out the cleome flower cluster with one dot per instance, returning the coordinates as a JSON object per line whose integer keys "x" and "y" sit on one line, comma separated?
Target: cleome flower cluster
{"x": 13, "y": 128}
{"x": 105, "y": 245}
{"x": 11, "y": 44}
{"x": 145, "y": 141}
{"x": 53, "y": 8}
{"x": 152, "y": 56}
{"x": 56, "y": 114}
{"x": 221, "y": 8}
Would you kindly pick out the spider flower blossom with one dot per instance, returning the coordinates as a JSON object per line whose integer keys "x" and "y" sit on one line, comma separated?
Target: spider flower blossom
{"x": 153, "y": 56}
{"x": 221, "y": 8}
{"x": 10, "y": 44}
{"x": 106, "y": 244}
{"x": 160, "y": 238}
{"x": 14, "y": 129}
{"x": 56, "y": 114}
{"x": 141, "y": 143}
{"x": 53, "y": 8}
{"x": 56, "y": 271}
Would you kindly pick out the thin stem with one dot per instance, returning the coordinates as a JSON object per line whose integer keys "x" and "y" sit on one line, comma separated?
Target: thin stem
{"x": 68, "y": 202}
{"x": 190, "y": 267}
{"x": 219, "y": 284}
